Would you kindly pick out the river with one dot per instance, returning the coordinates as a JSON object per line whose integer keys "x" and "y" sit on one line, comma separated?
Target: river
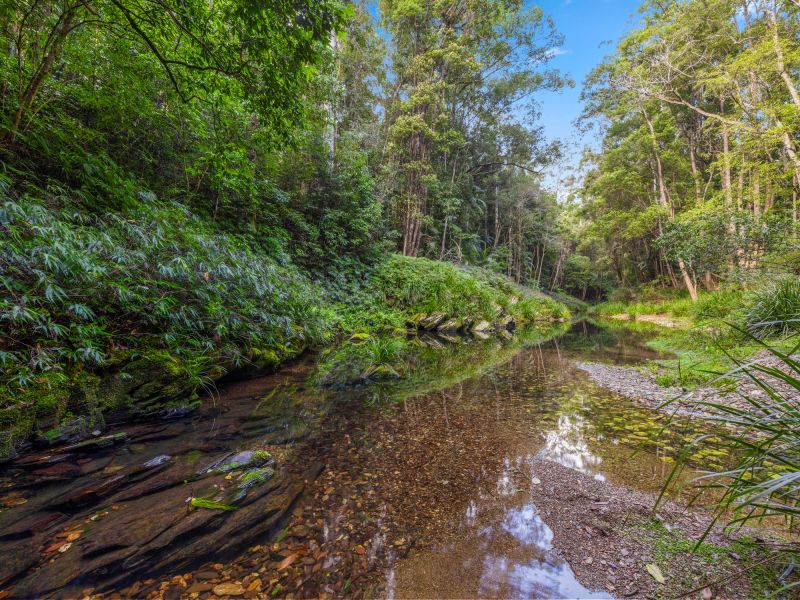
{"x": 493, "y": 468}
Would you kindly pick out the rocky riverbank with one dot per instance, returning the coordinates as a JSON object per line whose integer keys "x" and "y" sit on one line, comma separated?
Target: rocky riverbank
{"x": 732, "y": 390}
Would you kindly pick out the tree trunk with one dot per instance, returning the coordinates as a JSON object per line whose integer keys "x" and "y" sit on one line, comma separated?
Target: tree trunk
{"x": 663, "y": 198}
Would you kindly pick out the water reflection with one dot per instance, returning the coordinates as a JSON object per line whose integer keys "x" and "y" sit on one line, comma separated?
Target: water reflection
{"x": 536, "y": 572}
{"x": 567, "y": 445}
{"x": 535, "y": 406}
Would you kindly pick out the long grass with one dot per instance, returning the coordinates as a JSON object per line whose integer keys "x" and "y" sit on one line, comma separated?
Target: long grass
{"x": 775, "y": 309}
{"x": 764, "y": 441}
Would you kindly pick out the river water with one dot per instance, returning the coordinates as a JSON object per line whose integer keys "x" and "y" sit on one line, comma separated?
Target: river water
{"x": 458, "y": 480}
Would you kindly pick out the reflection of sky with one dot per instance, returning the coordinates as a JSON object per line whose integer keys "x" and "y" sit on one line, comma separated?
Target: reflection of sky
{"x": 566, "y": 445}
{"x": 547, "y": 577}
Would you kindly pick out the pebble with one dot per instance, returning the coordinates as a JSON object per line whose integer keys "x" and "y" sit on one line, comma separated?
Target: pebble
{"x": 205, "y": 575}
{"x": 228, "y": 589}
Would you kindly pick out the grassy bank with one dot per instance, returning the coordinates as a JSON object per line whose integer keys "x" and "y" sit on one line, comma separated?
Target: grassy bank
{"x": 131, "y": 314}
{"x": 709, "y": 336}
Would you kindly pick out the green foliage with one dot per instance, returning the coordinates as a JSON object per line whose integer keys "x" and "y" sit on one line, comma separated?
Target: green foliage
{"x": 775, "y": 309}
{"x": 764, "y": 483}
{"x": 79, "y": 287}
{"x": 210, "y": 504}
{"x": 419, "y": 285}
{"x": 195, "y": 49}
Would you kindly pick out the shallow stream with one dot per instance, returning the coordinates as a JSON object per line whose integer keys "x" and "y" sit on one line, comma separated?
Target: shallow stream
{"x": 419, "y": 487}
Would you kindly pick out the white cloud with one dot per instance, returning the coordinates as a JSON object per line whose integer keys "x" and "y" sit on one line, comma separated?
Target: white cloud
{"x": 558, "y": 51}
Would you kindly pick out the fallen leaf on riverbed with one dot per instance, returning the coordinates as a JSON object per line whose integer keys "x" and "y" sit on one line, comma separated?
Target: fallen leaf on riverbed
{"x": 12, "y": 500}
{"x": 360, "y": 549}
{"x": 655, "y": 572}
{"x": 284, "y": 564}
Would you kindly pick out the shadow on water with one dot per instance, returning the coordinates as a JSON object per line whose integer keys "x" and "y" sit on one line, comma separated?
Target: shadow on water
{"x": 115, "y": 510}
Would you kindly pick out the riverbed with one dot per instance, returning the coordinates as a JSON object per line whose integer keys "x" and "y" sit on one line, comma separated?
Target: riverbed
{"x": 493, "y": 468}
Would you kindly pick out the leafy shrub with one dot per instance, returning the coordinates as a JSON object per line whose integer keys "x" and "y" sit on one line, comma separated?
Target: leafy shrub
{"x": 78, "y": 288}
{"x": 722, "y": 304}
{"x": 775, "y": 309}
{"x": 420, "y": 285}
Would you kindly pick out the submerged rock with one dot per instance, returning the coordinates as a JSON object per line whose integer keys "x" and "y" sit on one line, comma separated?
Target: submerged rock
{"x": 241, "y": 460}
{"x": 251, "y": 480}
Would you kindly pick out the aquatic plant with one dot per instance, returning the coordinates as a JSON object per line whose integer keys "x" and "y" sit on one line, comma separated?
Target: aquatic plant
{"x": 210, "y": 504}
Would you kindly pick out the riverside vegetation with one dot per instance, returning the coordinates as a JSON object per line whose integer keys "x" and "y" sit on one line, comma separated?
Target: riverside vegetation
{"x": 196, "y": 193}
{"x": 157, "y": 231}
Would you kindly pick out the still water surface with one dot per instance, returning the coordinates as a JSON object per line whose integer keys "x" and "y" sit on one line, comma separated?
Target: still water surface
{"x": 448, "y": 457}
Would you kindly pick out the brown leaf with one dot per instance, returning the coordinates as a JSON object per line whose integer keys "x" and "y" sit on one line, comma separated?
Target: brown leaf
{"x": 284, "y": 564}
{"x": 360, "y": 549}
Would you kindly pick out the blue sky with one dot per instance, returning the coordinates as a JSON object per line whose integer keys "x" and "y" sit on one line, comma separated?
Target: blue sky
{"x": 591, "y": 29}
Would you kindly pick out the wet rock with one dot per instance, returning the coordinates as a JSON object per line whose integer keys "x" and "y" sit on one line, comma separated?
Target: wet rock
{"x": 450, "y": 326}
{"x": 199, "y": 588}
{"x": 481, "y": 327}
{"x": 206, "y": 575}
{"x": 229, "y": 589}
{"x": 148, "y": 387}
{"x": 250, "y": 480}
{"x": 505, "y": 323}
{"x": 71, "y": 431}
{"x": 97, "y": 443}
{"x": 29, "y": 526}
{"x": 158, "y": 460}
{"x": 432, "y": 321}
{"x": 241, "y": 460}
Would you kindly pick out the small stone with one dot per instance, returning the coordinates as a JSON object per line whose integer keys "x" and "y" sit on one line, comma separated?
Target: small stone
{"x": 624, "y": 552}
{"x": 255, "y": 586}
{"x": 228, "y": 589}
{"x": 199, "y": 587}
{"x": 300, "y": 531}
{"x": 206, "y": 575}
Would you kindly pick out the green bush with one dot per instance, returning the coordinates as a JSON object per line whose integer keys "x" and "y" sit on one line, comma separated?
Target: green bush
{"x": 420, "y": 285}
{"x": 722, "y": 304}
{"x": 79, "y": 287}
{"x": 760, "y": 486}
{"x": 775, "y": 309}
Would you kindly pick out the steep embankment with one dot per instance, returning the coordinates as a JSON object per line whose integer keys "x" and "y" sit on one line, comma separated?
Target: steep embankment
{"x": 120, "y": 316}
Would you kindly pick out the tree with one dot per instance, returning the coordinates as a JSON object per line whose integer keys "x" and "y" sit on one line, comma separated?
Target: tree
{"x": 262, "y": 52}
